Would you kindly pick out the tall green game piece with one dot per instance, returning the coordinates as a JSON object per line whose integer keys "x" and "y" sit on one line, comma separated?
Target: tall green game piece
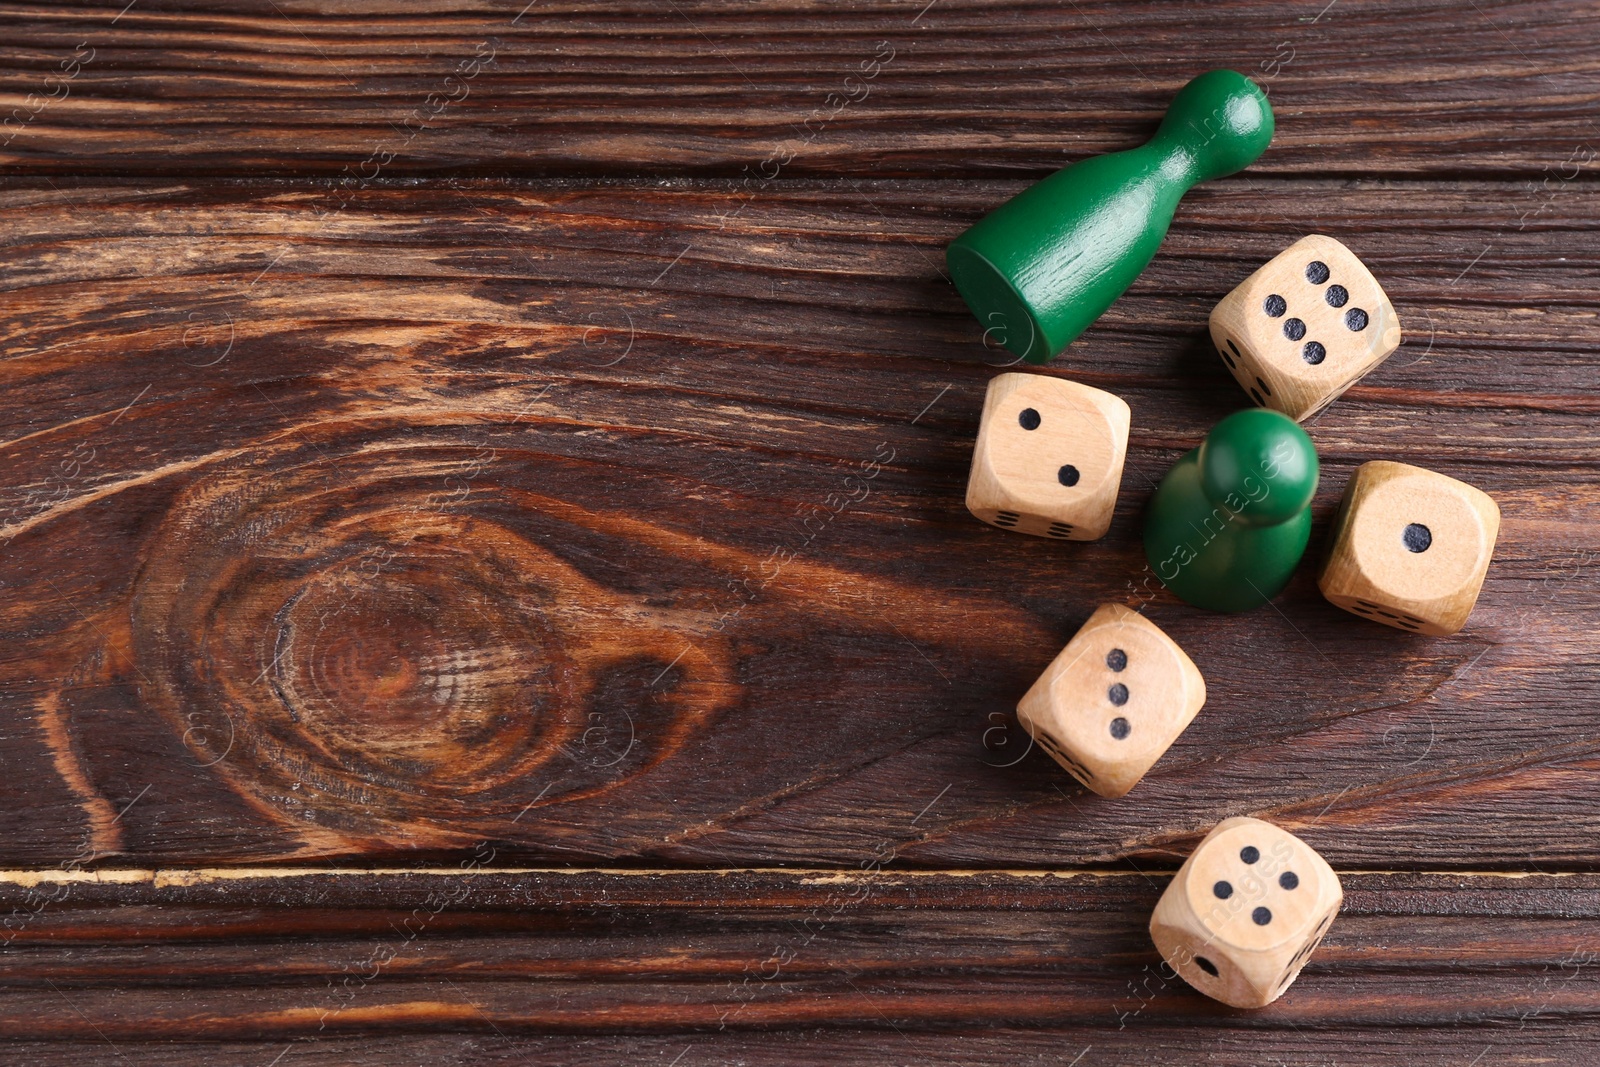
{"x": 1228, "y": 524}
{"x": 1042, "y": 266}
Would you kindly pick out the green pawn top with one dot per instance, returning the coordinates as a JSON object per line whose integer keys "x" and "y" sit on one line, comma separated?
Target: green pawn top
{"x": 1228, "y": 524}
{"x": 1042, "y": 266}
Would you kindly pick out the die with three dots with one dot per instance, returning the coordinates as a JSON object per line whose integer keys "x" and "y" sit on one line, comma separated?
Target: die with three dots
{"x": 1112, "y": 702}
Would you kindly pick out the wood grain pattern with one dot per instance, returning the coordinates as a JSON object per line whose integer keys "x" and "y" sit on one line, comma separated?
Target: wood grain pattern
{"x": 957, "y": 87}
{"x": 513, "y": 458}
{"x": 295, "y": 957}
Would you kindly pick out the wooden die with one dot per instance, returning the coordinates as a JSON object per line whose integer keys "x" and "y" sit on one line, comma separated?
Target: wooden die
{"x": 1245, "y": 912}
{"x": 1048, "y": 461}
{"x": 1303, "y": 328}
{"x": 1113, "y": 701}
{"x": 1410, "y": 548}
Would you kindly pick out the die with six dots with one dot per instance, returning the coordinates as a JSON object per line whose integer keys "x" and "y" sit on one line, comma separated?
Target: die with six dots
{"x": 1049, "y": 456}
{"x": 1303, "y": 328}
{"x": 1410, "y": 548}
{"x": 1113, "y": 701}
{"x": 1245, "y": 912}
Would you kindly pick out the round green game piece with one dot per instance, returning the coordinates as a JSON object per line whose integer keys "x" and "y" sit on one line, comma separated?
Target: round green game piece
{"x": 1229, "y": 523}
{"x": 1260, "y": 440}
{"x": 1041, "y": 267}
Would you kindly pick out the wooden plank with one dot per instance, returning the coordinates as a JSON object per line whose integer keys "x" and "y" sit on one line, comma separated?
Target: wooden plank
{"x": 279, "y": 956}
{"x": 954, "y": 87}
{"x": 605, "y": 523}
{"x": 993, "y": 1047}
{"x": 480, "y": 894}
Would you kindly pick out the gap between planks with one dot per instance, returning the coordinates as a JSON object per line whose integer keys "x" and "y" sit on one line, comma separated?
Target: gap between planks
{"x": 667, "y": 181}
{"x": 160, "y": 878}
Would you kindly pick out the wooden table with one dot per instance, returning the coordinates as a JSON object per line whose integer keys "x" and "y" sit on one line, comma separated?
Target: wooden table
{"x": 485, "y": 577}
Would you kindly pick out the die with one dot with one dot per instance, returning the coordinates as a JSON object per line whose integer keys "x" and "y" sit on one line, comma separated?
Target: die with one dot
{"x": 1305, "y": 327}
{"x": 1410, "y": 548}
{"x": 1049, "y": 457}
{"x": 1113, "y": 701}
{"x": 1245, "y": 912}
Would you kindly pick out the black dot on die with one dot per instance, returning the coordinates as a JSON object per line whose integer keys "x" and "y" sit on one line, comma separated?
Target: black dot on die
{"x": 1067, "y": 475}
{"x": 1120, "y": 728}
{"x": 1289, "y": 880}
{"x": 1417, "y": 537}
{"x": 1356, "y": 319}
{"x": 1249, "y": 853}
{"x": 1029, "y": 419}
{"x": 1275, "y": 305}
{"x": 1336, "y": 296}
{"x": 1206, "y": 965}
{"x": 1316, "y": 272}
{"x": 1117, "y": 694}
{"x": 1117, "y": 659}
{"x": 1223, "y": 890}
{"x": 1294, "y": 329}
{"x": 1262, "y": 916}
{"x": 1313, "y": 353}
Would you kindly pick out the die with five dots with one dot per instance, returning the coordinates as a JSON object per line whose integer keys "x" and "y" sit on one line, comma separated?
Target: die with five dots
{"x": 1113, "y": 701}
{"x": 1245, "y": 912}
{"x": 1303, "y": 328}
{"x": 1410, "y": 548}
{"x": 1049, "y": 456}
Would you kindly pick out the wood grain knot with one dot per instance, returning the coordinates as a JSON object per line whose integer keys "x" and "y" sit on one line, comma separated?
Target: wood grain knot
{"x": 371, "y": 643}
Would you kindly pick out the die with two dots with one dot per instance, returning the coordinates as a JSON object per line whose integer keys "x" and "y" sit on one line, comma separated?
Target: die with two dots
{"x": 1049, "y": 456}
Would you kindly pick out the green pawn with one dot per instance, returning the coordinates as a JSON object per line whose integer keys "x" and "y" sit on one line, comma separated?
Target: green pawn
{"x": 1228, "y": 524}
{"x": 1042, "y": 266}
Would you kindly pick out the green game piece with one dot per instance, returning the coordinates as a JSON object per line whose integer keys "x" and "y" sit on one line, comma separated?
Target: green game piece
{"x": 1228, "y": 524}
{"x": 1042, "y": 266}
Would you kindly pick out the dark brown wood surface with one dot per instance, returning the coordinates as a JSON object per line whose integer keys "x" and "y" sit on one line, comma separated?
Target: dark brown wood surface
{"x": 489, "y": 583}
{"x": 948, "y": 87}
